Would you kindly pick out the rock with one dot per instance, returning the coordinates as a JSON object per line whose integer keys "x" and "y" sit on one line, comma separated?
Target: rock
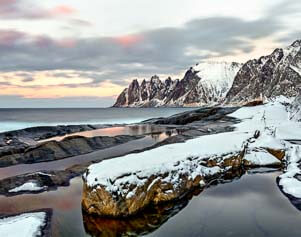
{"x": 45, "y": 180}
{"x": 148, "y": 221}
{"x": 155, "y": 190}
{"x": 124, "y": 193}
{"x": 253, "y": 103}
{"x": 201, "y": 115}
{"x": 56, "y": 150}
{"x": 269, "y": 76}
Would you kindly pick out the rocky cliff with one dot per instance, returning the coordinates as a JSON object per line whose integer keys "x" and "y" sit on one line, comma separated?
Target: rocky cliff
{"x": 276, "y": 74}
{"x": 205, "y": 83}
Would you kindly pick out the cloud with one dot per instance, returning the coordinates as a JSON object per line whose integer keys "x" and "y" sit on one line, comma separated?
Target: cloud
{"x": 102, "y": 66}
{"x": 162, "y": 50}
{"x": 128, "y": 40}
{"x": 24, "y": 9}
{"x": 63, "y": 10}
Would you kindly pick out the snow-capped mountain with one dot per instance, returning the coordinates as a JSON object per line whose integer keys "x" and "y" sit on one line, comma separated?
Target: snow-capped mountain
{"x": 276, "y": 74}
{"x": 206, "y": 83}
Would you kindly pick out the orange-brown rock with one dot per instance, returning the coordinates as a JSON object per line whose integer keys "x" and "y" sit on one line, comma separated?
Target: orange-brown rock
{"x": 279, "y": 154}
{"x": 155, "y": 190}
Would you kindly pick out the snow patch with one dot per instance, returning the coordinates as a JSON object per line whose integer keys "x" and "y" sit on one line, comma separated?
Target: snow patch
{"x": 25, "y": 225}
{"x": 29, "y": 186}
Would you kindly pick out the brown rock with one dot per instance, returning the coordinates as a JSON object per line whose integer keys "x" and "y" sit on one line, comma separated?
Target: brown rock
{"x": 155, "y": 190}
{"x": 279, "y": 154}
{"x": 253, "y": 103}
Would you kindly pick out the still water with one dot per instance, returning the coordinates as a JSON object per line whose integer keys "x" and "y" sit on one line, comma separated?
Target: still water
{"x": 250, "y": 206}
{"x": 13, "y": 119}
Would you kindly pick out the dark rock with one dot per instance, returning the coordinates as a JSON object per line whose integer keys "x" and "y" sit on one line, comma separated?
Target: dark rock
{"x": 269, "y": 76}
{"x": 192, "y": 90}
{"x": 55, "y": 150}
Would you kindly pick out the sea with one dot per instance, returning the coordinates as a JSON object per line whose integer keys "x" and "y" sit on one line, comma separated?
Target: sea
{"x": 14, "y": 119}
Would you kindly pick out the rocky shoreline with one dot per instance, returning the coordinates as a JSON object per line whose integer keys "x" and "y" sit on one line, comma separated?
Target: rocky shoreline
{"x": 187, "y": 124}
{"x": 169, "y": 172}
{"x": 126, "y": 192}
{"x": 56, "y": 150}
{"x": 193, "y": 171}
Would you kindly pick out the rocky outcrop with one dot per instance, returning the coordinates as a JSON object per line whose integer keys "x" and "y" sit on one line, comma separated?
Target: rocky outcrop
{"x": 40, "y": 181}
{"x": 154, "y": 191}
{"x": 13, "y": 142}
{"x": 122, "y": 193}
{"x": 56, "y": 150}
{"x": 151, "y": 218}
{"x": 269, "y": 76}
{"x": 205, "y": 83}
{"x": 202, "y": 115}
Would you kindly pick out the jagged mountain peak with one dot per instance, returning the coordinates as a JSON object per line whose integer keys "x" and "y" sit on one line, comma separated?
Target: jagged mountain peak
{"x": 204, "y": 83}
{"x": 269, "y": 76}
{"x": 296, "y": 43}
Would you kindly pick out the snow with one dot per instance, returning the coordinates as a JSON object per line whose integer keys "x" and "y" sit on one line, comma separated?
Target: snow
{"x": 261, "y": 158}
{"x": 271, "y": 116}
{"x": 288, "y": 182}
{"x": 217, "y": 77}
{"x": 29, "y": 186}
{"x": 25, "y": 225}
{"x": 164, "y": 158}
{"x": 273, "y": 122}
{"x": 291, "y": 186}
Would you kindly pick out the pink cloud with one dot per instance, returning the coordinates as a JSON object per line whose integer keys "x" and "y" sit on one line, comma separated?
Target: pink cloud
{"x": 66, "y": 43}
{"x": 63, "y": 10}
{"x": 128, "y": 40}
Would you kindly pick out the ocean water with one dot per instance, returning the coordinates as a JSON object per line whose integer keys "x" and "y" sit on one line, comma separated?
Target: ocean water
{"x": 13, "y": 119}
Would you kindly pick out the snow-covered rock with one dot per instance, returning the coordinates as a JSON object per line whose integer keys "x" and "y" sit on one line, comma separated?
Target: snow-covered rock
{"x": 295, "y": 109}
{"x": 25, "y": 225}
{"x": 27, "y": 187}
{"x": 125, "y": 185}
{"x": 205, "y": 83}
{"x": 289, "y": 181}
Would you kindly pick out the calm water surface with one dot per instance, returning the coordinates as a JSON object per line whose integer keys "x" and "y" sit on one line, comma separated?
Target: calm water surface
{"x": 250, "y": 206}
{"x": 12, "y": 119}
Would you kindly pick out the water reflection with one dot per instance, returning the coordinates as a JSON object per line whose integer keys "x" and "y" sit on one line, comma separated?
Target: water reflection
{"x": 115, "y": 151}
{"x": 150, "y": 220}
{"x": 252, "y": 205}
{"x": 138, "y": 129}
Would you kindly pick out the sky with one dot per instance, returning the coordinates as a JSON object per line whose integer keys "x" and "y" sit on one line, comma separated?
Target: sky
{"x": 75, "y": 53}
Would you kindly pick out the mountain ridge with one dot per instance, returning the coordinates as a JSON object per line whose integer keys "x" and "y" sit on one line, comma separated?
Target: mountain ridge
{"x": 196, "y": 88}
{"x": 210, "y": 83}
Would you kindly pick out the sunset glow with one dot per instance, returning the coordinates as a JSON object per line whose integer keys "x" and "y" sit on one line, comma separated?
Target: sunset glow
{"x": 64, "y": 49}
